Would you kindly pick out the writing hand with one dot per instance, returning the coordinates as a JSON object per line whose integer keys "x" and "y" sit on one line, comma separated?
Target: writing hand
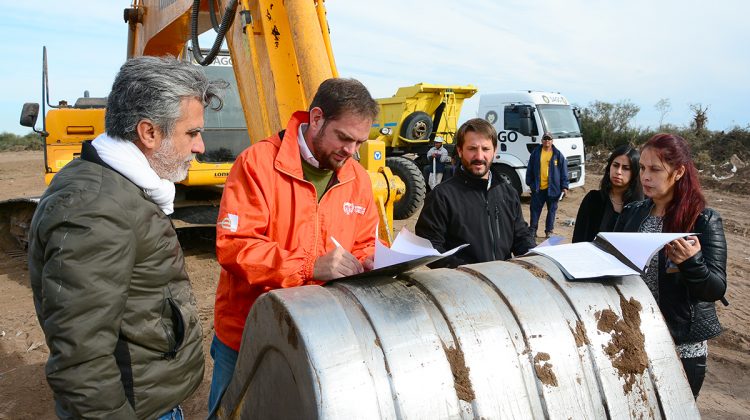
{"x": 335, "y": 264}
{"x": 369, "y": 263}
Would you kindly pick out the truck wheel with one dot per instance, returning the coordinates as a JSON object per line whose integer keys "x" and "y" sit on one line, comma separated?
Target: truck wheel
{"x": 510, "y": 176}
{"x": 417, "y": 126}
{"x": 415, "y": 186}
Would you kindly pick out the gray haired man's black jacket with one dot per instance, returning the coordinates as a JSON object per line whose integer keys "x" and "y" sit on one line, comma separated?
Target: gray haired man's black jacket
{"x": 686, "y": 298}
{"x": 462, "y": 210}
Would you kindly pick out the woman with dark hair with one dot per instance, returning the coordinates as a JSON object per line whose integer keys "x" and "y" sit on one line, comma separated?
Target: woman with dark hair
{"x": 689, "y": 274}
{"x": 620, "y": 185}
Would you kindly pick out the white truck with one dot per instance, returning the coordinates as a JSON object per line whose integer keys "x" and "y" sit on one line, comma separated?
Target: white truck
{"x": 521, "y": 118}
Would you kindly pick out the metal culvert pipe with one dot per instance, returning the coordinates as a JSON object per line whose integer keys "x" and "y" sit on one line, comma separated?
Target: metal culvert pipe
{"x": 494, "y": 340}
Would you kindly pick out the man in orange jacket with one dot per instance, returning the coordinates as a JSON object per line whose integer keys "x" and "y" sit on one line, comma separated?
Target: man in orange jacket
{"x": 285, "y": 200}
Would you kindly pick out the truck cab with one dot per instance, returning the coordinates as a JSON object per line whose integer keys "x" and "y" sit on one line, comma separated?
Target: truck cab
{"x": 521, "y": 118}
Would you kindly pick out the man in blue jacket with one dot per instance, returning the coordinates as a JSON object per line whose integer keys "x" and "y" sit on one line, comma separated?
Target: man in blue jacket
{"x": 547, "y": 177}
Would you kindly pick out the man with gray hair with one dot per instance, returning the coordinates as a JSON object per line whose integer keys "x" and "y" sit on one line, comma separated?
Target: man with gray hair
{"x": 107, "y": 271}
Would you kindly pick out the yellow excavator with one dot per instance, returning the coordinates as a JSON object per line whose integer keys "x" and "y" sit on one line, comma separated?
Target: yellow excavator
{"x": 495, "y": 340}
{"x": 271, "y": 75}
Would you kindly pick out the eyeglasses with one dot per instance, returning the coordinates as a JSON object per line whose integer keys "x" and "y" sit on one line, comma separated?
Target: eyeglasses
{"x": 546, "y": 139}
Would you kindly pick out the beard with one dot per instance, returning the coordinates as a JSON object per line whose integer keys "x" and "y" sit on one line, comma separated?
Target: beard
{"x": 167, "y": 164}
{"x": 325, "y": 159}
{"x": 480, "y": 172}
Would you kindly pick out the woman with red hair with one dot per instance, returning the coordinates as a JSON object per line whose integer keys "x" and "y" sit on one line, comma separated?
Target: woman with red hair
{"x": 689, "y": 274}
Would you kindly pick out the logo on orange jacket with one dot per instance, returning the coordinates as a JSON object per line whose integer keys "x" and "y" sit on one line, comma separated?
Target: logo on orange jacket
{"x": 230, "y": 222}
{"x": 350, "y": 208}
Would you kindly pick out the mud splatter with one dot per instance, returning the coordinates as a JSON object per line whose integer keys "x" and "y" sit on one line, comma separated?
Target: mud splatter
{"x": 283, "y": 318}
{"x": 544, "y": 369}
{"x": 276, "y": 36}
{"x": 625, "y": 348}
{"x": 461, "y": 381}
{"x": 579, "y": 333}
{"x": 531, "y": 268}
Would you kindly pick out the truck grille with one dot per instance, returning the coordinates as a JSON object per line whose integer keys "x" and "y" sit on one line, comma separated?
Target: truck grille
{"x": 574, "y": 168}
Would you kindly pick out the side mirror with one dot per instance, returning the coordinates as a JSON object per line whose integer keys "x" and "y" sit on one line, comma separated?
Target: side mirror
{"x": 29, "y": 114}
{"x": 525, "y": 121}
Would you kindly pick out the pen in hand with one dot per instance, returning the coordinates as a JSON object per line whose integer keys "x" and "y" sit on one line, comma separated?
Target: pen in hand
{"x": 353, "y": 262}
{"x": 335, "y": 242}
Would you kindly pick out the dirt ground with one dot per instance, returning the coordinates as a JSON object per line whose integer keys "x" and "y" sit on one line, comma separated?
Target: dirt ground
{"x": 24, "y": 392}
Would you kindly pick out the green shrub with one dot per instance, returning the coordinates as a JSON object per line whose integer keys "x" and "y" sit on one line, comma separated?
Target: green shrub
{"x": 10, "y": 142}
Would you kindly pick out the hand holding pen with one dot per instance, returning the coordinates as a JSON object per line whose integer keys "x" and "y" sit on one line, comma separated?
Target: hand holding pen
{"x": 336, "y": 263}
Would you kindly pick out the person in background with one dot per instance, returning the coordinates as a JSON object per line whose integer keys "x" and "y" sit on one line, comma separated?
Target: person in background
{"x": 689, "y": 274}
{"x": 620, "y": 185}
{"x": 107, "y": 271}
{"x": 287, "y": 201}
{"x": 439, "y": 155}
{"x": 475, "y": 206}
{"x": 547, "y": 177}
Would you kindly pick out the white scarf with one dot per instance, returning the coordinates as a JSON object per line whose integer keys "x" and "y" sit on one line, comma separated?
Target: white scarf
{"x": 127, "y": 159}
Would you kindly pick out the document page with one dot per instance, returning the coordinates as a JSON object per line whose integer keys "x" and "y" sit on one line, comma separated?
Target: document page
{"x": 640, "y": 247}
{"x": 584, "y": 260}
{"x": 406, "y": 247}
{"x": 408, "y": 252}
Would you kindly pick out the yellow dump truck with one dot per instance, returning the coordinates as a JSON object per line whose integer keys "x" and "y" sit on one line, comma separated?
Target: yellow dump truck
{"x": 408, "y": 124}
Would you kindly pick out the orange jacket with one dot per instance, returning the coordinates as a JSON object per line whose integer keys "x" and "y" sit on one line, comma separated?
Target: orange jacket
{"x": 271, "y": 228}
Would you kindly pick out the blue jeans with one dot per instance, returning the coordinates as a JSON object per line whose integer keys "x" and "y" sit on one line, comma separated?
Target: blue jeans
{"x": 224, "y": 361}
{"x": 173, "y": 414}
{"x": 538, "y": 200}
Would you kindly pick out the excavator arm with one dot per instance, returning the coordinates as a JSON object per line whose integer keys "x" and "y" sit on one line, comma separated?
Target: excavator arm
{"x": 280, "y": 51}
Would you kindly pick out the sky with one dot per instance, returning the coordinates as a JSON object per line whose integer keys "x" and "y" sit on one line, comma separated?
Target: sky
{"x": 689, "y": 52}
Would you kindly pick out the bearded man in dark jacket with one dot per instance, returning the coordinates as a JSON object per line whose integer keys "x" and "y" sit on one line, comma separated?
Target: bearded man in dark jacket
{"x": 108, "y": 274}
{"x": 475, "y": 206}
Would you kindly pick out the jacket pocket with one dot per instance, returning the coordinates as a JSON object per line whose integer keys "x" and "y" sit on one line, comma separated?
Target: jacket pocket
{"x": 174, "y": 328}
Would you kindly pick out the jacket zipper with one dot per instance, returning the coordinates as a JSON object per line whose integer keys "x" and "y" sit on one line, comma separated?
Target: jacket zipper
{"x": 492, "y": 229}
{"x": 317, "y": 204}
{"x": 497, "y": 221}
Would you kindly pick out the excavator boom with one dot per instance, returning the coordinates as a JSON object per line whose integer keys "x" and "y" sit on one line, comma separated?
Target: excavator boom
{"x": 280, "y": 51}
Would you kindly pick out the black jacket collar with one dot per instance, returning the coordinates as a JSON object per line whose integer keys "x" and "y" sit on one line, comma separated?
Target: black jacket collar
{"x": 476, "y": 182}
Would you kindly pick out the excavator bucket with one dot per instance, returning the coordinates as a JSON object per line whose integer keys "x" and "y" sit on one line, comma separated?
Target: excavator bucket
{"x": 493, "y": 340}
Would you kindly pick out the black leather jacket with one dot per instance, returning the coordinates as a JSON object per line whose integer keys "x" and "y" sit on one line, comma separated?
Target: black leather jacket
{"x": 686, "y": 298}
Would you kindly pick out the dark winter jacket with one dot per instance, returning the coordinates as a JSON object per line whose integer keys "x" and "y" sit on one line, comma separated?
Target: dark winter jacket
{"x": 686, "y": 298}
{"x": 558, "y": 172}
{"x": 596, "y": 214}
{"x": 462, "y": 210}
{"x": 112, "y": 296}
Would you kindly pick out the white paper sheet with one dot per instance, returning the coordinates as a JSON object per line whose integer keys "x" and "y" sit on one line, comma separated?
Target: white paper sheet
{"x": 640, "y": 247}
{"x": 406, "y": 247}
{"x": 584, "y": 260}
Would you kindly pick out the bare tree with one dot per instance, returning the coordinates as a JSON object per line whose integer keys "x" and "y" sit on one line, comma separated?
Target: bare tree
{"x": 700, "y": 116}
{"x": 663, "y": 106}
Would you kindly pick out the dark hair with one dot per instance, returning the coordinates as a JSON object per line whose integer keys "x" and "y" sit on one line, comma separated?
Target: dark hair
{"x": 687, "y": 199}
{"x": 337, "y": 96}
{"x": 153, "y": 88}
{"x": 634, "y": 191}
{"x": 479, "y": 126}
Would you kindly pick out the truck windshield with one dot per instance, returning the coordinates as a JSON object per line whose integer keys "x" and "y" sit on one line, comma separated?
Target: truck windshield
{"x": 225, "y": 134}
{"x": 559, "y": 120}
